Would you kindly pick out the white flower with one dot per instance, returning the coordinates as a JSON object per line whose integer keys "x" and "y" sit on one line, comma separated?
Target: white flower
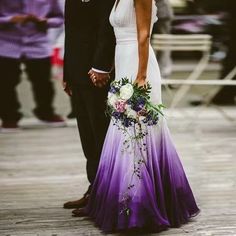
{"x": 126, "y": 91}
{"x": 141, "y": 118}
{"x": 128, "y": 108}
{"x": 112, "y": 99}
{"x": 131, "y": 113}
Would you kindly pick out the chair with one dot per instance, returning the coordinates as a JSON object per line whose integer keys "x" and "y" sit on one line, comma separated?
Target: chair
{"x": 191, "y": 43}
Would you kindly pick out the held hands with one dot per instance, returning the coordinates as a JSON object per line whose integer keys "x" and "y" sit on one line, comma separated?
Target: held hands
{"x": 41, "y": 23}
{"x": 19, "y": 19}
{"x": 99, "y": 79}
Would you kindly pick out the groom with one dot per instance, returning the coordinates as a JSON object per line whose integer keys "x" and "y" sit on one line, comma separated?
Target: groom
{"x": 89, "y": 55}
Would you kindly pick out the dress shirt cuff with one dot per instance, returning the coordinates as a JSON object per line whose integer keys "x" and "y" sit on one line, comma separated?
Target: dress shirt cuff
{"x": 100, "y": 71}
{"x": 5, "y": 19}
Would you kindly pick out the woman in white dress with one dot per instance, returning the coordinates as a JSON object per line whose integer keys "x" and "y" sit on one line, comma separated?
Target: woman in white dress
{"x": 160, "y": 196}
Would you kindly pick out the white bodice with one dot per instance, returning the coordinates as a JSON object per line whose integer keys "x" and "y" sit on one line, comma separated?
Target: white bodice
{"x": 123, "y": 19}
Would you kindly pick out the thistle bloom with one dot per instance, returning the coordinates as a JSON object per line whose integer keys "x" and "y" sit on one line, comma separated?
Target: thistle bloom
{"x": 139, "y": 105}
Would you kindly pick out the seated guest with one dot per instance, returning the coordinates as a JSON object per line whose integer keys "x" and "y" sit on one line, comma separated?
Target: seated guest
{"x": 163, "y": 26}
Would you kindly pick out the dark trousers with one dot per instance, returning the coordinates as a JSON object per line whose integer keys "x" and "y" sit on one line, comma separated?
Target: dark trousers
{"x": 39, "y": 74}
{"x": 90, "y": 105}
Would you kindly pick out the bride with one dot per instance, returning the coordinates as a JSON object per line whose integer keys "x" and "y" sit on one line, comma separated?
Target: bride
{"x": 161, "y": 196}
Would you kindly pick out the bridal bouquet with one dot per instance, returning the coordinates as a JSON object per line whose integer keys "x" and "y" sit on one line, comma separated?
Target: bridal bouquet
{"x": 130, "y": 105}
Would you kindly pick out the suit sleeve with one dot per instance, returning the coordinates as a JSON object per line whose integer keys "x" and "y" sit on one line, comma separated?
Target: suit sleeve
{"x": 105, "y": 49}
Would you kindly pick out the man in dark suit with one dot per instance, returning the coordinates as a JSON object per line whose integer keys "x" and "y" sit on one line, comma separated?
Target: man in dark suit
{"x": 89, "y": 56}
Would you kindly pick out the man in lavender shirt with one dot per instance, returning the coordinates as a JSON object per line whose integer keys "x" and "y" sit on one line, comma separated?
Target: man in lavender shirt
{"x": 24, "y": 39}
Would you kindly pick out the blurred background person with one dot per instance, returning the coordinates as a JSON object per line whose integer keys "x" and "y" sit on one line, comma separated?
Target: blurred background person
{"x": 24, "y": 39}
{"x": 227, "y": 94}
{"x": 55, "y": 33}
{"x": 163, "y": 26}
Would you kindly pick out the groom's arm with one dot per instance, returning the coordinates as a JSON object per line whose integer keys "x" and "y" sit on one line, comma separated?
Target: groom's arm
{"x": 105, "y": 49}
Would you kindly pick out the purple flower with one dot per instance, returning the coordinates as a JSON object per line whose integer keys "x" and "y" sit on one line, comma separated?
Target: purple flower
{"x": 113, "y": 89}
{"x": 116, "y": 115}
{"x": 129, "y": 102}
{"x": 151, "y": 120}
{"x": 127, "y": 122}
{"x": 139, "y": 104}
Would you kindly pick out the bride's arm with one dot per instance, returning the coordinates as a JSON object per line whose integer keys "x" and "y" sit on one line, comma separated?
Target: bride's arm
{"x": 143, "y": 9}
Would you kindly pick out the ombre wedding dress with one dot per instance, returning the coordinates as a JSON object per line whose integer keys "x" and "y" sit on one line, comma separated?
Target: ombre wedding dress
{"x": 129, "y": 192}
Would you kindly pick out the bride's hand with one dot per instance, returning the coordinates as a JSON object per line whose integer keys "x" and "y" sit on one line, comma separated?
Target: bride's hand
{"x": 141, "y": 81}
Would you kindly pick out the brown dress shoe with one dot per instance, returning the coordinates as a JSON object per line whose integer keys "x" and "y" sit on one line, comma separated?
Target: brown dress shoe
{"x": 79, "y": 213}
{"x": 78, "y": 203}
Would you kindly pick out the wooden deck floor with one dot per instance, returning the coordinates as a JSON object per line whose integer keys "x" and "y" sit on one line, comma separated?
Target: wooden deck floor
{"x": 41, "y": 168}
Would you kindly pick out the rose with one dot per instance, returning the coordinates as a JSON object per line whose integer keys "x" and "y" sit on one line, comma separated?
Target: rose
{"x": 112, "y": 99}
{"x": 120, "y": 106}
{"x": 126, "y": 91}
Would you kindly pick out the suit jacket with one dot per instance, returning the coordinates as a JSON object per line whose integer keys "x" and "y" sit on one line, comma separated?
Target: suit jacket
{"x": 89, "y": 39}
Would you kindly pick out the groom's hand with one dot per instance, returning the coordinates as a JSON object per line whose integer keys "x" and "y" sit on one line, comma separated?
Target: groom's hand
{"x": 99, "y": 79}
